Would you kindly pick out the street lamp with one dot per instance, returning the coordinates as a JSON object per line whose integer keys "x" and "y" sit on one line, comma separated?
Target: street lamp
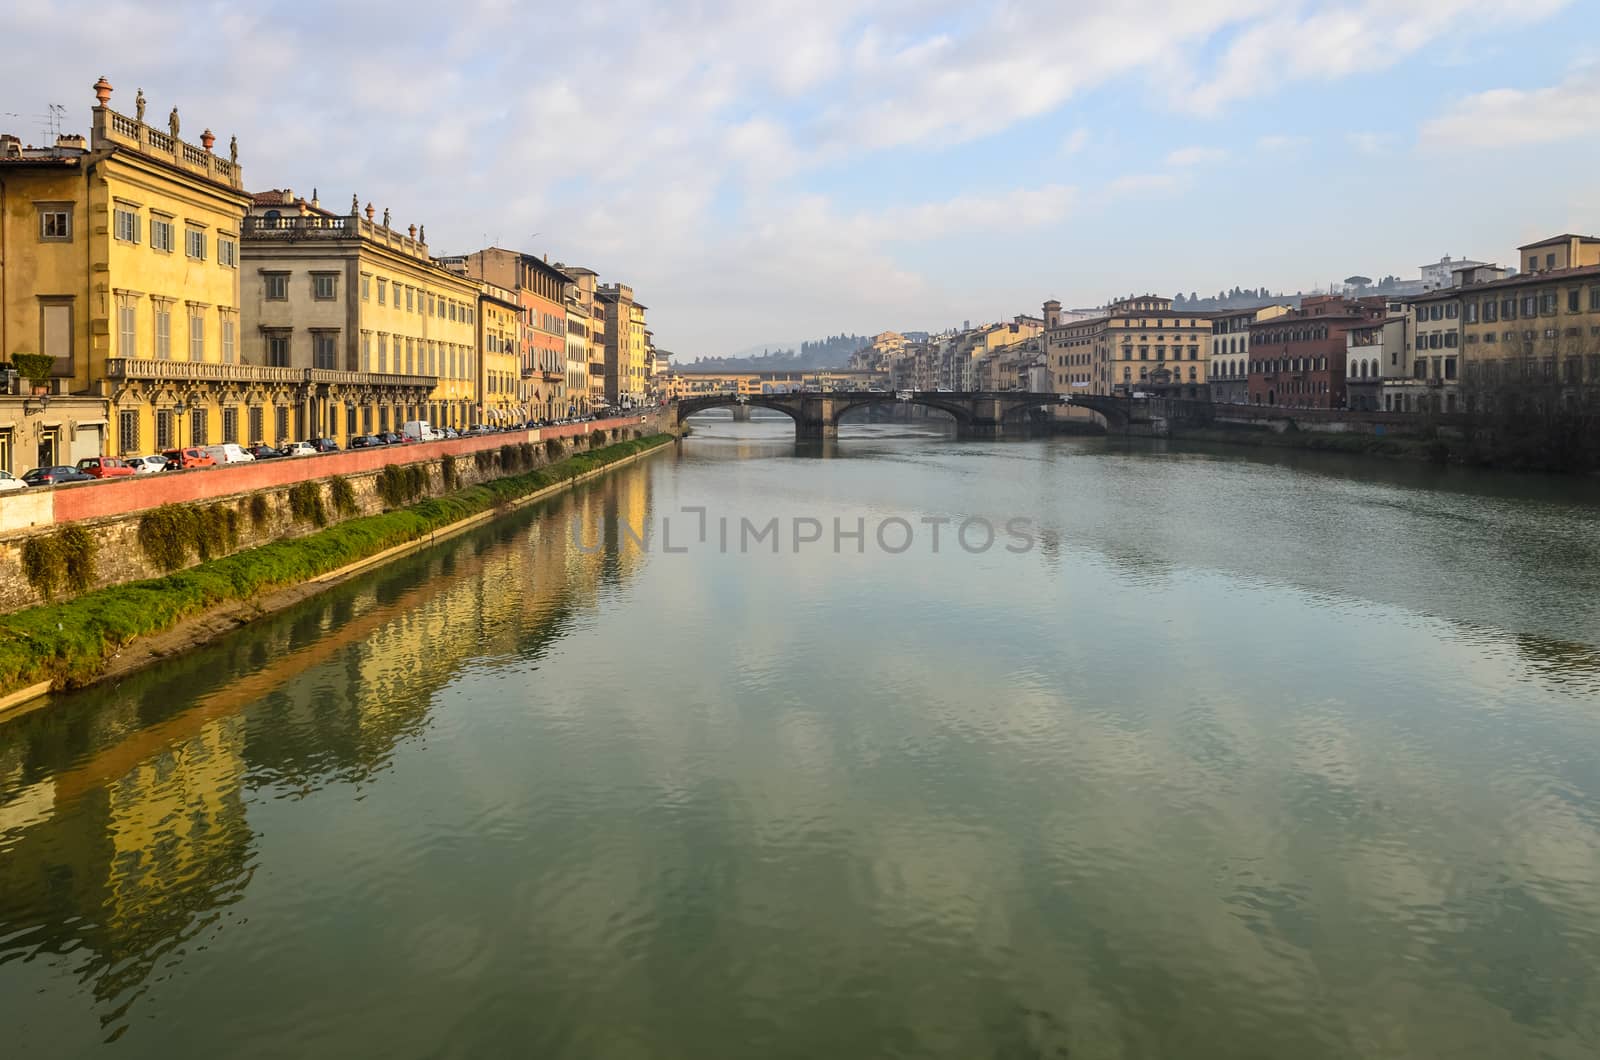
{"x": 178, "y": 410}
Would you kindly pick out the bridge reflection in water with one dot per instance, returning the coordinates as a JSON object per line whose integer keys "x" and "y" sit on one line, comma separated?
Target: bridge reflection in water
{"x": 125, "y": 832}
{"x": 816, "y": 414}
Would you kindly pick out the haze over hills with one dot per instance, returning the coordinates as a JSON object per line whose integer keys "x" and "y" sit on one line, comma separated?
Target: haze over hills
{"x": 831, "y": 352}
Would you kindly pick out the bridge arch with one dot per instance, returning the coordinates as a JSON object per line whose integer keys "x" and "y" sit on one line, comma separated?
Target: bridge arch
{"x": 852, "y": 402}
{"x": 690, "y": 406}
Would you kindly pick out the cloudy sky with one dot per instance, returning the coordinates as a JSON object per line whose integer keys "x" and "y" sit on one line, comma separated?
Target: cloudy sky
{"x": 764, "y": 171}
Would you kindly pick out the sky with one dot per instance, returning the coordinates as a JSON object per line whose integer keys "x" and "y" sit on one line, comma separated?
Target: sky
{"x": 766, "y": 172}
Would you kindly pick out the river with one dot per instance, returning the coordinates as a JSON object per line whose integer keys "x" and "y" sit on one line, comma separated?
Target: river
{"x": 1207, "y": 753}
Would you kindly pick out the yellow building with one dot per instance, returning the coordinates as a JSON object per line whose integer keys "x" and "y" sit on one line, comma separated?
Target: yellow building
{"x": 1139, "y": 341}
{"x": 1535, "y": 335}
{"x": 499, "y": 377}
{"x": 379, "y": 331}
{"x": 578, "y": 317}
{"x": 626, "y": 369}
{"x": 121, "y": 262}
{"x": 585, "y": 284}
{"x": 1560, "y": 252}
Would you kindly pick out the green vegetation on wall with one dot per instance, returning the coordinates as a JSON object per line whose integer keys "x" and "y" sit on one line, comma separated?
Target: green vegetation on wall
{"x": 344, "y": 495}
{"x": 305, "y": 503}
{"x": 65, "y": 558}
{"x": 400, "y": 484}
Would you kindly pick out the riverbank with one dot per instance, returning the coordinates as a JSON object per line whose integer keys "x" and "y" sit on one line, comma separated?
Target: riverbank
{"x": 112, "y": 631}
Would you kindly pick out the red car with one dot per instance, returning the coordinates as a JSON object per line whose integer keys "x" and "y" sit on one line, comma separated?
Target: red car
{"x": 104, "y": 467}
{"x": 184, "y": 459}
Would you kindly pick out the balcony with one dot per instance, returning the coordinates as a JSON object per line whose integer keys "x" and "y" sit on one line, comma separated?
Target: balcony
{"x": 111, "y": 129}
{"x": 158, "y": 371}
{"x": 199, "y": 371}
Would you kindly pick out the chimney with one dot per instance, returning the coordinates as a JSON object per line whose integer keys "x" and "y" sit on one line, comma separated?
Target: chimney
{"x": 74, "y": 141}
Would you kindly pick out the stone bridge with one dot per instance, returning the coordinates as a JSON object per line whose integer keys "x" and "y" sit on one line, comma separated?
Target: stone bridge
{"x": 816, "y": 414}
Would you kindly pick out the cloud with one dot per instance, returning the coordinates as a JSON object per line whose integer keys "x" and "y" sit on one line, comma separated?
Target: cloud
{"x": 1185, "y": 157}
{"x": 668, "y": 146}
{"x": 1019, "y": 209}
{"x": 1280, "y": 142}
{"x": 1370, "y": 143}
{"x": 1508, "y": 116}
{"x": 1331, "y": 42}
{"x": 1134, "y": 183}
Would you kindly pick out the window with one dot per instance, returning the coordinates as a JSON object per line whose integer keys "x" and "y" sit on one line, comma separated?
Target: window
{"x": 1530, "y": 305}
{"x": 127, "y": 326}
{"x": 1508, "y": 308}
{"x": 256, "y": 418}
{"x": 1450, "y": 340}
{"x": 324, "y": 349}
{"x": 1547, "y": 302}
{"x": 324, "y": 286}
{"x": 1451, "y": 310}
{"x": 197, "y": 335}
{"x": 349, "y": 420}
{"x": 194, "y": 243}
{"x": 227, "y": 251}
{"x": 383, "y": 292}
{"x": 383, "y": 352}
{"x": 366, "y": 351}
{"x": 409, "y": 294}
{"x": 163, "y": 315}
{"x": 1549, "y": 261}
{"x": 1471, "y": 315}
{"x": 198, "y": 422}
{"x": 366, "y": 286}
{"x": 230, "y": 425}
{"x": 230, "y": 329}
{"x": 55, "y": 222}
{"x": 277, "y": 286}
{"x": 163, "y": 428}
{"x": 128, "y": 431}
{"x": 280, "y": 423}
{"x": 1491, "y": 311}
{"x": 126, "y": 225}
{"x": 1594, "y": 298}
{"x": 161, "y": 233}
{"x": 278, "y": 349}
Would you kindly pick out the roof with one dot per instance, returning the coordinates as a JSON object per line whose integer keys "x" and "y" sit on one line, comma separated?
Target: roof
{"x": 1522, "y": 279}
{"x": 1565, "y": 237}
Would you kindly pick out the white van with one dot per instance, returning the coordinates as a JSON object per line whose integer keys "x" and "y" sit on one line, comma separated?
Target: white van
{"x": 420, "y": 431}
{"x": 228, "y": 453}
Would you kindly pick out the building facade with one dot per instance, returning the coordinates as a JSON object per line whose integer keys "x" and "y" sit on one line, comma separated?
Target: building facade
{"x": 625, "y": 368}
{"x": 386, "y": 333}
{"x": 499, "y": 397}
{"x": 1229, "y": 367}
{"x": 541, "y": 290}
{"x": 121, "y": 264}
{"x": 1137, "y": 343}
{"x": 1297, "y": 360}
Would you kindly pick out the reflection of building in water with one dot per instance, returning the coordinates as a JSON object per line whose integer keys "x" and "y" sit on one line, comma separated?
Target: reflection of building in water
{"x": 123, "y": 817}
{"x": 121, "y": 864}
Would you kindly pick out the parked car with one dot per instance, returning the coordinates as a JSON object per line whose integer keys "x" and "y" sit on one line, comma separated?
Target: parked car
{"x": 54, "y": 476}
{"x": 479, "y": 428}
{"x": 105, "y": 467}
{"x": 263, "y": 451}
{"x": 229, "y": 453}
{"x": 8, "y": 482}
{"x": 299, "y": 449}
{"x": 420, "y": 431}
{"x": 367, "y": 441}
{"x": 323, "y": 445}
{"x": 184, "y": 459}
{"x": 147, "y": 465}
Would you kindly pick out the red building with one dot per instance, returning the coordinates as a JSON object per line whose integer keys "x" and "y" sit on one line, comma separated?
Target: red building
{"x": 1297, "y": 360}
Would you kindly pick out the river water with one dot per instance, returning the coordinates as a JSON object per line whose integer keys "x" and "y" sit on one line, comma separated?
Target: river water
{"x": 1216, "y": 754}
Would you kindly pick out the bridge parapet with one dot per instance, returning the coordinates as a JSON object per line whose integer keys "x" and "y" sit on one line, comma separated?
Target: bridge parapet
{"x": 978, "y": 414}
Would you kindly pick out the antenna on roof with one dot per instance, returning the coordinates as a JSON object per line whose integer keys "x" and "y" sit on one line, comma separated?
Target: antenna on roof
{"x": 56, "y": 114}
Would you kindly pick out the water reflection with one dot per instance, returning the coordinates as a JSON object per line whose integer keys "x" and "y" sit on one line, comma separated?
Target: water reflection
{"x": 1210, "y": 774}
{"x": 124, "y": 824}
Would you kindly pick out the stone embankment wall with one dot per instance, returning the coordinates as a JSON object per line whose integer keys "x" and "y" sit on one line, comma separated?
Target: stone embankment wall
{"x": 258, "y": 496}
